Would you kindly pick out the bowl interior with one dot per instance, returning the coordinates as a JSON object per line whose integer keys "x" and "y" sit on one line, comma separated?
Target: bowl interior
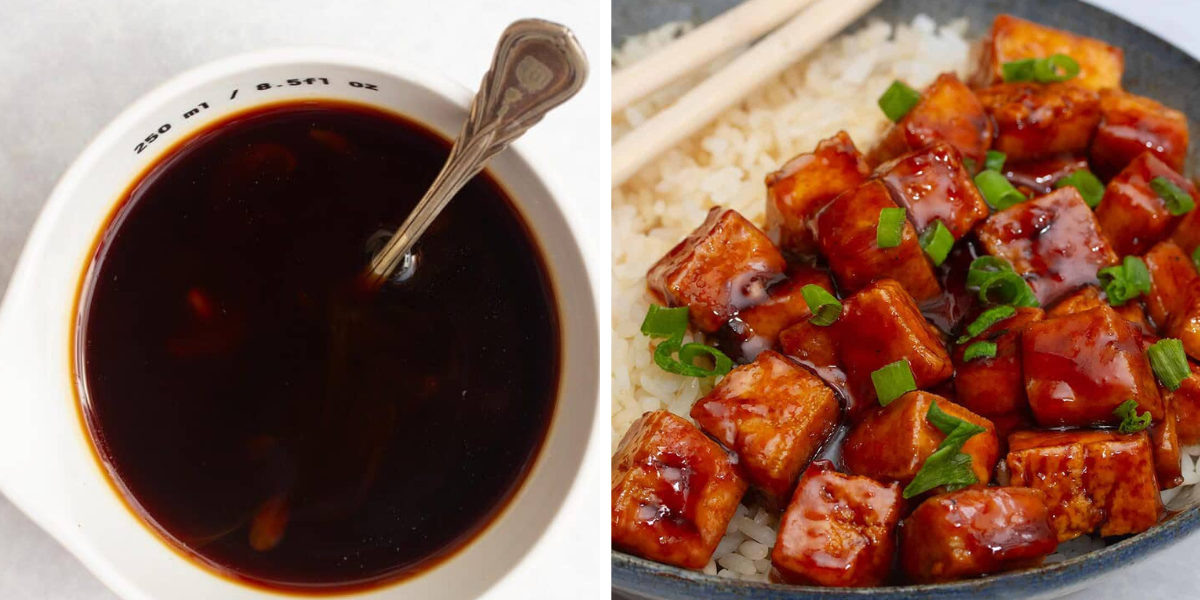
{"x": 1153, "y": 68}
{"x": 49, "y": 469}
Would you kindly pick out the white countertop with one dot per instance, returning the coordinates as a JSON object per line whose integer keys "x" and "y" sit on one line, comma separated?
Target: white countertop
{"x": 70, "y": 66}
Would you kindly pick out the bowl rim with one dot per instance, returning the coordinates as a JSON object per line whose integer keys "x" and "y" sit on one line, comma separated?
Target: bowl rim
{"x": 633, "y": 573}
{"x": 541, "y": 174}
{"x": 639, "y": 575}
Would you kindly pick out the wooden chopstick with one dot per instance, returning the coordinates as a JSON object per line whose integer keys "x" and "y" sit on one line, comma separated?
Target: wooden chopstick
{"x": 702, "y": 104}
{"x": 739, "y": 25}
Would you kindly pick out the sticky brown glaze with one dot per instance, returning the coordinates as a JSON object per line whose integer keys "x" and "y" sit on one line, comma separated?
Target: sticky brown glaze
{"x": 673, "y": 492}
{"x": 1132, "y": 124}
{"x": 1079, "y": 368}
{"x": 993, "y": 386}
{"x": 1053, "y": 240}
{"x": 1038, "y": 175}
{"x": 1035, "y": 120}
{"x": 881, "y": 325}
{"x": 1187, "y": 407}
{"x": 1089, "y": 297}
{"x": 1132, "y": 216}
{"x": 724, "y": 265}
{"x": 933, "y": 185}
{"x": 1010, "y": 38}
{"x": 949, "y": 113}
{"x": 846, "y": 233}
{"x": 971, "y": 533}
{"x": 1092, "y": 479}
{"x": 1174, "y": 298}
{"x": 757, "y": 328}
{"x": 775, "y": 415}
{"x": 838, "y": 531}
{"x": 804, "y": 185}
{"x": 891, "y": 442}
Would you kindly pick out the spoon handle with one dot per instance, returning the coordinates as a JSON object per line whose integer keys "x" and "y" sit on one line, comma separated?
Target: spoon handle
{"x": 537, "y": 66}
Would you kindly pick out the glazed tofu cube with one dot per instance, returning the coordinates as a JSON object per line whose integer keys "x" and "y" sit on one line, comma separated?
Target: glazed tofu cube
{"x": 803, "y": 186}
{"x": 971, "y": 533}
{"x": 1052, "y": 240}
{"x": 1038, "y": 175}
{"x": 1091, "y": 479}
{"x": 846, "y": 233}
{"x": 933, "y": 185}
{"x": 760, "y": 324}
{"x": 1132, "y": 216}
{"x": 881, "y": 325}
{"x": 993, "y": 387}
{"x": 892, "y": 442}
{"x": 1079, "y": 368}
{"x": 724, "y": 265}
{"x": 838, "y": 531}
{"x": 1174, "y": 298}
{"x": 1131, "y": 125}
{"x": 1089, "y": 297}
{"x": 1187, "y": 231}
{"x": 948, "y": 112}
{"x": 775, "y": 415}
{"x": 1010, "y": 39}
{"x": 813, "y": 346}
{"x": 1035, "y": 120}
{"x": 674, "y": 492}
{"x": 1186, "y": 401}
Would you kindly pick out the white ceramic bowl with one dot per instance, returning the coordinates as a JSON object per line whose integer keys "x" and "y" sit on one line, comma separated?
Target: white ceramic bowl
{"x": 47, "y": 466}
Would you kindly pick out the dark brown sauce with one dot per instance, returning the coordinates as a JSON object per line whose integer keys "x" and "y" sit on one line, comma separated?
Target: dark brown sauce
{"x": 258, "y": 412}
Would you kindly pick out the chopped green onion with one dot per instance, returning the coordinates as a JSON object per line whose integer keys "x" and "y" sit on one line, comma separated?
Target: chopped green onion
{"x": 1130, "y": 421}
{"x": 983, "y": 268}
{"x": 939, "y": 418}
{"x": 898, "y": 100}
{"x": 979, "y": 350}
{"x": 892, "y": 381}
{"x": 722, "y": 364}
{"x": 1056, "y": 68}
{"x": 1007, "y": 288}
{"x": 937, "y": 241}
{"x": 1018, "y": 70}
{"x": 663, "y": 357}
{"x": 891, "y": 228}
{"x": 969, "y": 164}
{"x": 1178, "y": 201}
{"x": 1196, "y": 258}
{"x": 985, "y": 320}
{"x": 671, "y": 323}
{"x": 1125, "y": 281}
{"x": 995, "y": 161}
{"x": 1089, "y": 187}
{"x": 948, "y": 466}
{"x": 824, "y": 307}
{"x": 1053, "y": 69}
{"x": 661, "y": 321}
{"x": 1169, "y": 363}
{"x": 997, "y": 191}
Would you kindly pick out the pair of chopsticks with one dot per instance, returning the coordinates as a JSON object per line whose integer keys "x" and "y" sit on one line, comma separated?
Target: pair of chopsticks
{"x": 804, "y": 31}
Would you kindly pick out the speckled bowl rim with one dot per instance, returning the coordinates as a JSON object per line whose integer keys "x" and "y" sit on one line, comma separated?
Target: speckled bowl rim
{"x": 645, "y": 577}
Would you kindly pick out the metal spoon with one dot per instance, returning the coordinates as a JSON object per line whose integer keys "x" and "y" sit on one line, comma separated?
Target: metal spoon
{"x": 537, "y": 66}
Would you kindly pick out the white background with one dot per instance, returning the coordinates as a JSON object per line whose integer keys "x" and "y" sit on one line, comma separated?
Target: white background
{"x": 68, "y": 67}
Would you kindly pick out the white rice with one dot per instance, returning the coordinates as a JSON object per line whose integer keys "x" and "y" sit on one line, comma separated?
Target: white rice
{"x": 725, "y": 164}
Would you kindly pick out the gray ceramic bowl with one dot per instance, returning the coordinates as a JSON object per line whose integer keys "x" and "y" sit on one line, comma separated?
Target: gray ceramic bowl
{"x": 1153, "y": 68}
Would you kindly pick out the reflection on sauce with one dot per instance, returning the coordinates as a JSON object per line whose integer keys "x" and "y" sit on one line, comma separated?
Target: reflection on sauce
{"x": 277, "y": 425}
